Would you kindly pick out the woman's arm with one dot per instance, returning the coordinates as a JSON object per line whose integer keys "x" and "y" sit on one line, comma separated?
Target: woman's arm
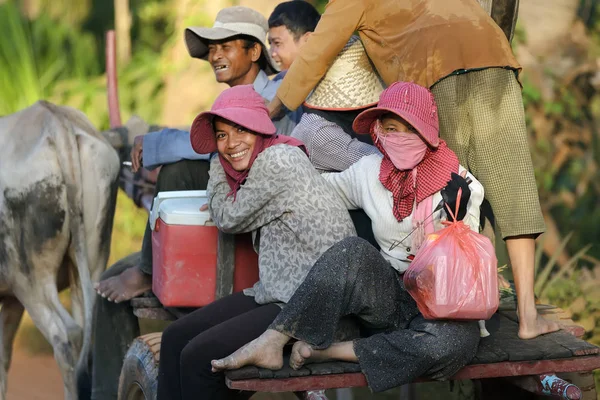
{"x": 337, "y": 24}
{"x": 262, "y": 198}
{"x": 329, "y": 147}
{"x": 348, "y": 184}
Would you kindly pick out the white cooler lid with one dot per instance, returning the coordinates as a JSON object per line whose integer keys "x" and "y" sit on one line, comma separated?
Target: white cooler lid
{"x": 180, "y": 208}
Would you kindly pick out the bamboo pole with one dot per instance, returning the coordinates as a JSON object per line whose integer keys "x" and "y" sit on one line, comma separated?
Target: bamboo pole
{"x": 114, "y": 114}
{"x": 123, "y": 30}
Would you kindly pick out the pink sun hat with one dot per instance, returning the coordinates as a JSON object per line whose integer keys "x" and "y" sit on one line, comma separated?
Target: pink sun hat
{"x": 413, "y": 103}
{"x": 241, "y": 105}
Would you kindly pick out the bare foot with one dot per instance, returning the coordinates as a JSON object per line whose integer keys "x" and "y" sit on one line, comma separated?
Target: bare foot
{"x": 130, "y": 283}
{"x": 266, "y": 351}
{"x": 303, "y": 353}
{"x": 532, "y": 327}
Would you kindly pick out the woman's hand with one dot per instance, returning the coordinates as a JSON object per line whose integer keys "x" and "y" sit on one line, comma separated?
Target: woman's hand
{"x": 450, "y": 194}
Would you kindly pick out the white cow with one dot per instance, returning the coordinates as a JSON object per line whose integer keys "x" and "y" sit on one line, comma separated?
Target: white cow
{"x": 58, "y": 182}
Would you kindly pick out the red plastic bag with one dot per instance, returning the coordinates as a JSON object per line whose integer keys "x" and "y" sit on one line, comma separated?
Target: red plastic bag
{"x": 454, "y": 275}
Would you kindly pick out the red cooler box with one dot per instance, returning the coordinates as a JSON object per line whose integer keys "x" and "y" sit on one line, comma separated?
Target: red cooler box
{"x": 184, "y": 251}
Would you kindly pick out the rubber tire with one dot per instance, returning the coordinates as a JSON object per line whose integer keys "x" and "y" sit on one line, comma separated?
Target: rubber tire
{"x": 139, "y": 374}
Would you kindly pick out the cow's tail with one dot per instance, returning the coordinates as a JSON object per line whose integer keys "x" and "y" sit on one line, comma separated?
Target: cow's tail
{"x": 69, "y": 158}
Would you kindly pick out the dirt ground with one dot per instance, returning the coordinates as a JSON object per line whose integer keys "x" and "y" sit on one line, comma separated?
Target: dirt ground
{"x": 34, "y": 377}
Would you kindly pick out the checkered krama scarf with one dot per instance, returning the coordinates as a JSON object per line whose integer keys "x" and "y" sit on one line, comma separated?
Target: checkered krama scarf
{"x": 433, "y": 173}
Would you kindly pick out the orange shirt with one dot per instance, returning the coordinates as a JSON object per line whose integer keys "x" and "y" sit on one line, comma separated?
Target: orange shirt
{"x": 421, "y": 41}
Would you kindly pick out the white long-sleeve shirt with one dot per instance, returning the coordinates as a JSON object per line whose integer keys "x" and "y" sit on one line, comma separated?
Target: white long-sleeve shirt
{"x": 359, "y": 187}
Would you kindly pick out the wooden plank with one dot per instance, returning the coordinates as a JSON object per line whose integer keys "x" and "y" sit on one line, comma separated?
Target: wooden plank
{"x": 504, "y": 338}
{"x": 146, "y": 302}
{"x": 247, "y": 372}
{"x": 326, "y": 368}
{"x": 225, "y": 265}
{"x": 489, "y": 351}
{"x": 153, "y": 313}
{"x": 505, "y": 369}
{"x": 474, "y": 371}
{"x": 576, "y": 346}
{"x": 265, "y": 374}
{"x": 321, "y": 382}
{"x": 299, "y": 372}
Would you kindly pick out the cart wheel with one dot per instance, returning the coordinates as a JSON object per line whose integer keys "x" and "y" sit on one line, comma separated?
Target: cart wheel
{"x": 138, "y": 379}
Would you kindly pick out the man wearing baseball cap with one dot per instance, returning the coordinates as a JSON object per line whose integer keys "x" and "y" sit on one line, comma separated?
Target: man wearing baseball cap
{"x": 235, "y": 48}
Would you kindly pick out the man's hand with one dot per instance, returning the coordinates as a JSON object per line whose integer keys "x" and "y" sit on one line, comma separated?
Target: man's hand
{"x": 275, "y": 107}
{"x": 136, "y": 153}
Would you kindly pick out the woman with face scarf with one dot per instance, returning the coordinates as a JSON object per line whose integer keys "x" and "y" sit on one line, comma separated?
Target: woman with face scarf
{"x": 399, "y": 192}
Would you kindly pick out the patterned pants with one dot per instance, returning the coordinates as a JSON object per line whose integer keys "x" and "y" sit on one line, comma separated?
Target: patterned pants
{"x": 482, "y": 119}
{"x": 353, "y": 279}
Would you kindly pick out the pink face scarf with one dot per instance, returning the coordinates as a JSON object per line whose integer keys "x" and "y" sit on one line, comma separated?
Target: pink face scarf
{"x": 405, "y": 150}
{"x": 432, "y": 173}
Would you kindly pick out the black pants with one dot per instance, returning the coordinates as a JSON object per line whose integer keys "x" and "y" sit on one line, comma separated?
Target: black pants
{"x": 115, "y": 326}
{"x": 353, "y": 279}
{"x": 212, "y": 332}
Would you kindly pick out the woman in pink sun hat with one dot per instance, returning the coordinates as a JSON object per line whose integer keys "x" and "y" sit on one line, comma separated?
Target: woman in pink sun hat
{"x": 264, "y": 184}
{"x": 399, "y": 191}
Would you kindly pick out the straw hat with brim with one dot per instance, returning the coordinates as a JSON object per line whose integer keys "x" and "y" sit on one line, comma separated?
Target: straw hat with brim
{"x": 230, "y": 22}
{"x": 411, "y": 102}
{"x": 351, "y": 82}
{"x": 240, "y": 105}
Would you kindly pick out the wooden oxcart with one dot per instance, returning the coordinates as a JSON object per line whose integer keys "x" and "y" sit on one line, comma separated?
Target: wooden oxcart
{"x": 529, "y": 366}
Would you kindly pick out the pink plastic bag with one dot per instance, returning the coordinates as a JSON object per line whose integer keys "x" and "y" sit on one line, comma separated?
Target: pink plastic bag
{"x": 454, "y": 274}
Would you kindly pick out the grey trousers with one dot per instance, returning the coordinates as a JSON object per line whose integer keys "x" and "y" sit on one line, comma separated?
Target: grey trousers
{"x": 115, "y": 326}
{"x": 352, "y": 279}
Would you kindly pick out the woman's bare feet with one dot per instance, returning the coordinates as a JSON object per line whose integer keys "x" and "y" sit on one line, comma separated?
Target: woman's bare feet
{"x": 130, "y": 283}
{"x": 303, "y": 353}
{"x": 532, "y": 326}
{"x": 266, "y": 351}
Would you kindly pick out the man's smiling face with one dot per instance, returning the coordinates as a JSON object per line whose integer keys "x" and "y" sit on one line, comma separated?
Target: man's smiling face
{"x": 232, "y": 62}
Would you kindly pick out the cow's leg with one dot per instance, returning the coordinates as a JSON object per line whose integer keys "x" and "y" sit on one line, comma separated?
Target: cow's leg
{"x": 99, "y": 201}
{"x": 60, "y": 331}
{"x": 10, "y": 315}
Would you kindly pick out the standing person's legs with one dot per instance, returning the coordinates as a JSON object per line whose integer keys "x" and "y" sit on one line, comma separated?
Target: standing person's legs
{"x": 183, "y": 175}
{"x": 184, "y": 331}
{"x": 482, "y": 119}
